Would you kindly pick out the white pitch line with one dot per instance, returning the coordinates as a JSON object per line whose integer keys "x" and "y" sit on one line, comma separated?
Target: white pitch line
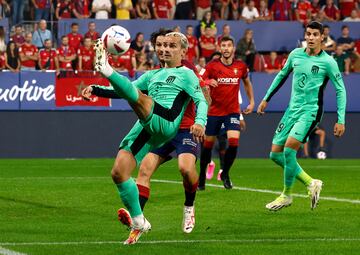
{"x": 270, "y": 240}
{"x": 352, "y": 201}
{"x": 4, "y": 251}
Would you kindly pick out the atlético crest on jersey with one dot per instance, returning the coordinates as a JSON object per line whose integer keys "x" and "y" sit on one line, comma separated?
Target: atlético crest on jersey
{"x": 170, "y": 79}
{"x": 315, "y": 69}
{"x": 235, "y": 71}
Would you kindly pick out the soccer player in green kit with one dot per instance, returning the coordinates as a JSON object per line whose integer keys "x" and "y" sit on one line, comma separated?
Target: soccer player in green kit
{"x": 160, "y": 112}
{"x": 312, "y": 68}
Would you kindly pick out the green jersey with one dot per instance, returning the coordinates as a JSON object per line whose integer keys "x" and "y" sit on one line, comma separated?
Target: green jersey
{"x": 311, "y": 74}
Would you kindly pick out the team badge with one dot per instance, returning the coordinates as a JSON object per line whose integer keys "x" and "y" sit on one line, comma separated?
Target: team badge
{"x": 235, "y": 71}
{"x": 170, "y": 79}
{"x": 315, "y": 69}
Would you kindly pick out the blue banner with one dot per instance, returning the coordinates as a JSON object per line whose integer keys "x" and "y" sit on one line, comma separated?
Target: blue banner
{"x": 10, "y": 90}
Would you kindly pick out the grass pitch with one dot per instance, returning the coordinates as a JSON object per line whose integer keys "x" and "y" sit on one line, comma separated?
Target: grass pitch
{"x": 69, "y": 207}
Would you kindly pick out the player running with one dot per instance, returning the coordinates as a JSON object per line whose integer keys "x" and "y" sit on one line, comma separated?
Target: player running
{"x": 224, "y": 75}
{"x": 160, "y": 114}
{"x": 312, "y": 68}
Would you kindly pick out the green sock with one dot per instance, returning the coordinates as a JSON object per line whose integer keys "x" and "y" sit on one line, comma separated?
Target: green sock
{"x": 291, "y": 170}
{"x": 124, "y": 87}
{"x": 278, "y": 158}
{"x": 129, "y": 194}
{"x": 304, "y": 177}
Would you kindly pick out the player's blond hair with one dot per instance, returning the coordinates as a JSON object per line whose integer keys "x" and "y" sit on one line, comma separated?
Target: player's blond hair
{"x": 183, "y": 40}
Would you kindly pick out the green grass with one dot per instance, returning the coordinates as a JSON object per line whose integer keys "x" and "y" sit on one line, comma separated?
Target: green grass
{"x": 61, "y": 202}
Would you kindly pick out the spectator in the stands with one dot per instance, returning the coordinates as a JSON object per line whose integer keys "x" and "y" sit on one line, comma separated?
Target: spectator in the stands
{"x": 18, "y": 37}
{"x": 17, "y": 7}
{"x": 226, "y": 30}
{"x": 314, "y": 9}
{"x": 29, "y": 54}
{"x": 101, "y": 8}
{"x": 354, "y": 16}
{"x": 142, "y": 10}
{"x": 342, "y": 59}
{"x": 2, "y": 60}
{"x": 66, "y": 54}
{"x": 86, "y": 55}
{"x": 329, "y": 43}
{"x": 64, "y": 9}
{"x": 202, "y": 6}
{"x": 184, "y": 9}
{"x": 347, "y": 6}
{"x": 192, "y": 55}
{"x": 332, "y": 12}
{"x": 4, "y": 9}
{"x": 264, "y": 13}
{"x": 42, "y": 9}
{"x": 48, "y": 59}
{"x": 245, "y": 49}
{"x": 162, "y": 9}
{"x": 141, "y": 63}
{"x": 123, "y": 8}
{"x": 75, "y": 38}
{"x": 272, "y": 64}
{"x": 41, "y": 34}
{"x": 138, "y": 43}
{"x": 207, "y": 43}
{"x": 91, "y": 33}
{"x": 81, "y": 9}
{"x": 12, "y": 60}
{"x": 281, "y": 10}
{"x": 208, "y": 22}
{"x": 249, "y": 13}
{"x": 345, "y": 41}
{"x": 177, "y": 29}
{"x": 303, "y": 11}
{"x": 125, "y": 62}
{"x": 321, "y": 17}
{"x": 356, "y": 65}
{"x": 2, "y": 39}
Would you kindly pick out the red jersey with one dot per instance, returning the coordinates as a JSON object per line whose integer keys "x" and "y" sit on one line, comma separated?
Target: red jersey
{"x": 191, "y": 53}
{"x": 269, "y": 65}
{"x": 281, "y": 10}
{"x": 162, "y": 8}
{"x": 123, "y": 61}
{"x": 82, "y": 6}
{"x": 87, "y": 57}
{"x": 203, "y": 4}
{"x": 75, "y": 40}
{"x": 225, "y": 97}
{"x": 47, "y": 59}
{"x": 65, "y": 51}
{"x": 65, "y": 10}
{"x": 189, "y": 114}
{"x": 18, "y": 39}
{"x": 94, "y": 35}
{"x": 42, "y": 4}
{"x": 28, "y": 50}
{"x": 346, "y": 6}
{"x": 207, "y": 40}
{"x": 303, "y": 8}
{"x": 331, "y": 12}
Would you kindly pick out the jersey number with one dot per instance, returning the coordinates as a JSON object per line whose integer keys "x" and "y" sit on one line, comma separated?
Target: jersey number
{"x": 302, "y": 80}
{"x": 280, "y": 127}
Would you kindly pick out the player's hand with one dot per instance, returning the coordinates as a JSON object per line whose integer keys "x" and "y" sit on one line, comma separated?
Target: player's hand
{"x": 261, "y": 108}
{"x": 212, "y": 83}
{"x": 242, "y": 125}
{"x": 339, "y": 129}
{"x": 86, "y": 93}
{"x": 198, "y": 132}
{"x": 249, "y": 109}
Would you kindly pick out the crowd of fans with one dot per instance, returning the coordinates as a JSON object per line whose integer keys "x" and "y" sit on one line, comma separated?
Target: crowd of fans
{"x": 35, "y": 50}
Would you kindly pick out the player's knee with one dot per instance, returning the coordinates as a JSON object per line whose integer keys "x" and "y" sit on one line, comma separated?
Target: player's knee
{"x": 233, "y": 142}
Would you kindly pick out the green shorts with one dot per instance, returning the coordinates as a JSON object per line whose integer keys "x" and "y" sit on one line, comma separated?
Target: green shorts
{"x": 298, "y": 127}
{"x": 148, "y": 135}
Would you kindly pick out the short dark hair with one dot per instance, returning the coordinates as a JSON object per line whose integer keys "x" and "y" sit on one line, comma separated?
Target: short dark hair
{"x": 74, "y": 24}
{"x": 161, "y": 32}
{"x": 189, "y": 26}
{"x": 227, "y": 38}
{"x": 344, "y": 26}
{"x": 316, "y": 25}
{"x": 326, "y": 26}
{"x": 216, "y": 53}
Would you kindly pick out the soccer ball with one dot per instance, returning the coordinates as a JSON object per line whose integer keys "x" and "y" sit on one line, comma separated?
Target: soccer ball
{"x": 116, "y": 40}
{"x": 321, "y": 155}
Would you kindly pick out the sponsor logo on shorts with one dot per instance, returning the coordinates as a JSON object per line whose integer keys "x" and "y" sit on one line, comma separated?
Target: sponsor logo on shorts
{"x": 234, "y": 121}
{"x": 188, "y": 141}
{"x": 296, "y": 133}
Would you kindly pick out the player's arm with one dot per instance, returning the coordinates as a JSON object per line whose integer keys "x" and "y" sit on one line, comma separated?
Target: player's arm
{"x": 250, "y": 95}
{"x": 276, "y": 84}
{"x": 337, "y": 81}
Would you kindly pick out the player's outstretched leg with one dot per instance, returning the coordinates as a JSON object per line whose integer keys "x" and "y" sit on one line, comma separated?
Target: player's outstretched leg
{"x": 121, "y": 84}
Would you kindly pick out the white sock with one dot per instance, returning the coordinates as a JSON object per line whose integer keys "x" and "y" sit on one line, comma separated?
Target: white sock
{"x": 138, "y": 220}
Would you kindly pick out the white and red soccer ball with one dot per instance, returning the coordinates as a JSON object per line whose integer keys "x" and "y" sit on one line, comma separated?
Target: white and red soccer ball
{"x": 116, "y": 40}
